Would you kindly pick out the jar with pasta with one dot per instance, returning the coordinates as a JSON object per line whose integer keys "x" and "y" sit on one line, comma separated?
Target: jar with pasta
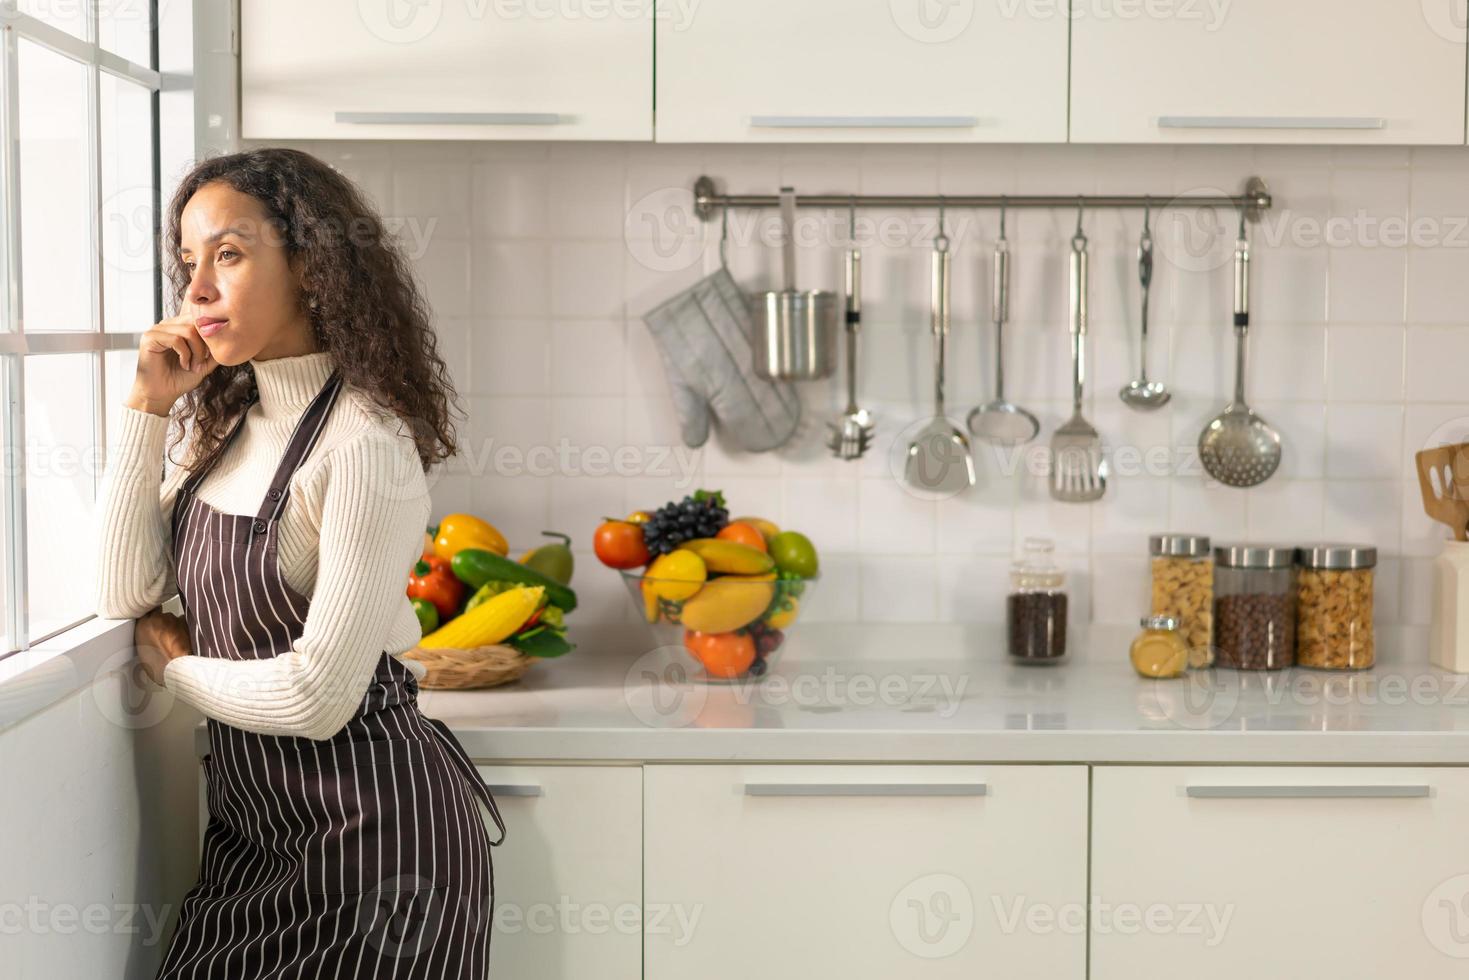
{"x": 1183, "y": 588}
{"x": 1334, "y": 628}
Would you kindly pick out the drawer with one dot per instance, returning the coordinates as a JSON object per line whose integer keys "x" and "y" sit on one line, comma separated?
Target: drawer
{"x": 865, "y": 871}
{"x": 1280, "y": 872}
{"x": 568, "y": 877}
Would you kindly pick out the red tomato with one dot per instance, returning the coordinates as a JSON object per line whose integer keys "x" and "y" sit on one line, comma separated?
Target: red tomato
{"x": 619, "y": 544}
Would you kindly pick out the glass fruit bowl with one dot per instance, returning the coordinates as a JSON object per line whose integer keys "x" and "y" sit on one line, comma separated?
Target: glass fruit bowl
{"x": 731, "y": 627}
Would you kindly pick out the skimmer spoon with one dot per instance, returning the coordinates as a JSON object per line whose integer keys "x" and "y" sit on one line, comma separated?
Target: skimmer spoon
{"x": 1239, "y": 448}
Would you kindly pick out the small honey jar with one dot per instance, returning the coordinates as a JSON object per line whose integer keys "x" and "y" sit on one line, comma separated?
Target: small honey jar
{"x": 1159, "y": 650}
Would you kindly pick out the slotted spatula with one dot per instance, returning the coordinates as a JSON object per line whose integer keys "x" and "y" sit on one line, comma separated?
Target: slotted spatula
{"x": 1443, "y": 479}
{"x": 1079, "y": 471}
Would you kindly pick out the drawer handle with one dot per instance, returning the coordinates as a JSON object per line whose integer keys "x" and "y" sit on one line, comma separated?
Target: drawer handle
{"x": 864, "y": 122}
{"x": 513, "y": 789}
{"x": 1271, "y": 122}
{"x": 1306, "y": 792}
{"x": 866, "y": 789}
{"x": 451, "y": 118}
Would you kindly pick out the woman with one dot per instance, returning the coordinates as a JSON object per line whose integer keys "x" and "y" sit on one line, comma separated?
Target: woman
{"x": 344, "y": 837}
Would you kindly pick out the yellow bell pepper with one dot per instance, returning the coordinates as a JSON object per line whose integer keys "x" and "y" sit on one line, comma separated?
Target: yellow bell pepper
{"x": 459, "y": 531}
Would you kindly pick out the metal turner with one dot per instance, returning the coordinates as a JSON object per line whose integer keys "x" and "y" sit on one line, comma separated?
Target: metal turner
{"x": 850, "y": 437}
{"x": 1078, "y": 471}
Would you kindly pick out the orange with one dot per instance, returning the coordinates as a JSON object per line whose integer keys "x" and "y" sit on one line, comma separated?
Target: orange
{"x": 745, "y": 534}
{"x": 722, "y": 654}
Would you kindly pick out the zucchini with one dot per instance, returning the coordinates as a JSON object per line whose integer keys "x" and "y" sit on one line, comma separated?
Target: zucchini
{"x": 476, "y": 566}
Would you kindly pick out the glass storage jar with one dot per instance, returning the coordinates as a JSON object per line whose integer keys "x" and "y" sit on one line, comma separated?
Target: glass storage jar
{"x": 1334, "y": 627}
{"x": 1035, "y": 612}
{"x": 1254, "y": 607}
{"x": 1158, "y": 650}
{"x": 1183, "y": 587}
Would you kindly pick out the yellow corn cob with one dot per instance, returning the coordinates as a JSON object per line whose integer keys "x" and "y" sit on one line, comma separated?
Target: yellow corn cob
{"x": 489, "y": 622}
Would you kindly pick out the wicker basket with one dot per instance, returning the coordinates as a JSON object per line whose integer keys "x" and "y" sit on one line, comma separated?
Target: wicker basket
{"x": 476, "y": 667}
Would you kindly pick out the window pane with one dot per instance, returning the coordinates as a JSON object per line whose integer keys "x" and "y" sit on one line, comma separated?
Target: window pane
{"x": 123, "y": 28}
{"x": 7, "y": 642}
{"x": 62, "y": 466}
{"x": 55, "y": 192}
{"x": 120, "y": 367}
{"x": 128, "y": 266}
{"x": 69, "y": 15}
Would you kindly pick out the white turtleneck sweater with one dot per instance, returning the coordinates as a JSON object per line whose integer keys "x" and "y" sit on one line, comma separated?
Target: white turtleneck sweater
{"x": 352, "y": 528}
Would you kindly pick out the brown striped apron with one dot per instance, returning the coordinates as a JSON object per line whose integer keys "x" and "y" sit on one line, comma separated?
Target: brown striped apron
{"x": 361, "y": 855}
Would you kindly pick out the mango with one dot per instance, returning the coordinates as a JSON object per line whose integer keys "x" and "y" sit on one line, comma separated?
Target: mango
{"x": 729, "y": 602}
{"x": 729, "y": 557}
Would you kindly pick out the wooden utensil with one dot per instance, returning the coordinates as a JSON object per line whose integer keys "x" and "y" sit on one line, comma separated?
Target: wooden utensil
{"x": 1443, "y": 479}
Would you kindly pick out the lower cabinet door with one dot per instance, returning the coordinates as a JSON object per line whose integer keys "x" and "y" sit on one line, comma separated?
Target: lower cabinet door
{"x": 1280, "y": 873}
{"x": 568, "y": 877}
{"x": 865, "y": 871}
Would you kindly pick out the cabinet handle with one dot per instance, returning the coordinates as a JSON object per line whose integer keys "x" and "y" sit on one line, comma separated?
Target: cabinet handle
{"x": 864, "y": 122}
{"x": 1307, "y": 792}
{"x": 866, "y": 789}
{"x": 1271, "y": 122}
{"x": 513, "y": 789}
{"x": 451, "y": 118}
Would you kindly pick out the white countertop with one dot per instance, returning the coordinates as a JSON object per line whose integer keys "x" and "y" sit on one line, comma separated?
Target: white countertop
{"x": 946, "y": 693}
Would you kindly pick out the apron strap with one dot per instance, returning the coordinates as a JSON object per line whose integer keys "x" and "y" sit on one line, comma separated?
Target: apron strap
{"x": 461, "y": 760}
{"x": 203, "y": 469}
{"x": 303, "y": 440}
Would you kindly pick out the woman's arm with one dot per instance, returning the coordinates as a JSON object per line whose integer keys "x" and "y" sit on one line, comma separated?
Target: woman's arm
{"x": 133, "y": 533}
{"x": 375, "y": 507}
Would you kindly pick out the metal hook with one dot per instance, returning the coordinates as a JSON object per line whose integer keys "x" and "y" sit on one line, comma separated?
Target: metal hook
{"x": 1003, "y": 202}
{"x": 1147, "y": 215}
{"x": 1078, "y": 240}
{"x": 852, "y": 219}
{"x": 724, "y": 234}
{"x": 1242, "y": 224}
{"x": 941, "y": 240}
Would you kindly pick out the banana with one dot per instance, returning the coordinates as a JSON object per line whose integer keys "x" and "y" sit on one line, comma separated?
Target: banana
{"x": 729, "y": 557}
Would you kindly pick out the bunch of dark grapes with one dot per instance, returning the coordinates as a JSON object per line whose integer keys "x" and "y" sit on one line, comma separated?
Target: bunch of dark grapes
{"x": 698, "y": 515}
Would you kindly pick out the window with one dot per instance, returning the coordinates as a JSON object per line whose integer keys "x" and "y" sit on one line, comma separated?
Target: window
{"x": 79, "y": 282}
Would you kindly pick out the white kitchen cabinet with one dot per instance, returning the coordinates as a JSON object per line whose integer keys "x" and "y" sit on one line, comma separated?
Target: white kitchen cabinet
{"x": 865, "y": 871}
{"x": 1279, "y": 873}
{"x": 1266, "y": 71}
{"x": 342, "y": 69}
{"x": 733, "y": 71}
{"x": 568, "y": 878}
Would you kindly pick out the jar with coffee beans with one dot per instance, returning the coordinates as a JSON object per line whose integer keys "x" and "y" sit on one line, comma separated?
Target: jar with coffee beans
{"x": 1035, "y": 611}
{"x": 1183, "y": 587}
{"x": 1334, "y": 628}
{"x": 1255, "y": 606}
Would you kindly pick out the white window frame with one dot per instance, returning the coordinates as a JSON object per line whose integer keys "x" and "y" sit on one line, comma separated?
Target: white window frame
{"x": 16, "y": 343}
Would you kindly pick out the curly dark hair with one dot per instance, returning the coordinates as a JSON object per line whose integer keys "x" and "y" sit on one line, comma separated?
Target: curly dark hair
{"x": 368, "y": 309}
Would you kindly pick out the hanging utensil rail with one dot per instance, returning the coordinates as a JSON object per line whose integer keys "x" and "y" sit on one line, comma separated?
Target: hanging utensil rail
{"x": 1255, "y": 199}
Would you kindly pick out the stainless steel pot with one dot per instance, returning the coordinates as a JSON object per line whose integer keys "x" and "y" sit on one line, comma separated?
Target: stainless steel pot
{"x": 796, "y": 332}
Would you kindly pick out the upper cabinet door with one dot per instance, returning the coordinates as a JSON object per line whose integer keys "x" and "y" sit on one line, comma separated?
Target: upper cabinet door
{"x": 890, "y": 71}
{"x": 390, "y": 69}
{"x": 1268, "y": 71}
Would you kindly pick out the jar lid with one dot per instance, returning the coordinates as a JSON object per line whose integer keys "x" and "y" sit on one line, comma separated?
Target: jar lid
{"x": 1179, "y": 545}
{"x": 1160, "y": 622}
{"x": 1255, "y": 555}
{"x": 1337, "y": 556}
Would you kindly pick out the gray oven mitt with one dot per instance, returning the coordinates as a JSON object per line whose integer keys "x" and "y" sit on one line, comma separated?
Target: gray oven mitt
{"x": 705, "y": 335}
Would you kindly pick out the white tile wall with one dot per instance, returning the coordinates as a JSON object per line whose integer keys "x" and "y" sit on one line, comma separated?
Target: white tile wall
{"x": 539, "y": 259}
